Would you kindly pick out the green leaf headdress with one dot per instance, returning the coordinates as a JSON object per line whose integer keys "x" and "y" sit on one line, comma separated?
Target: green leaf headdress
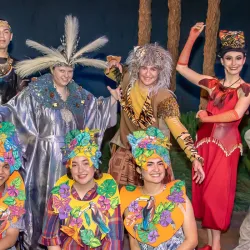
{"x": 10, "y": 149}
{"x": 147, "y": 143}
{"x": 81, "y": 143}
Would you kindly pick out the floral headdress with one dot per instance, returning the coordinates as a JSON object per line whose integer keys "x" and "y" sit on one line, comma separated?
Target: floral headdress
{"x": 231, "y": 41}
{"x": 81, "y": 143}
{"x": 147, "y": 143}
{"x": 65, "y": 55}
{"x": 151, "y": 55}
{"x": 5, "y": 23}
{"x": 10, "y": 150}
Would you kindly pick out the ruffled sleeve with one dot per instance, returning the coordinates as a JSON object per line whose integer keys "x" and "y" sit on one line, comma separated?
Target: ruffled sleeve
{"x": 209, "y": 83}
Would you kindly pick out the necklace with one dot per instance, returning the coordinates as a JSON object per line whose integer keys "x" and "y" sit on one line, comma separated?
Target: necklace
{"x": 6, "y": 67}
{"x": 161, "y": 189}
{"x": 231, "y": 84}
{"x": 66, "y": 114}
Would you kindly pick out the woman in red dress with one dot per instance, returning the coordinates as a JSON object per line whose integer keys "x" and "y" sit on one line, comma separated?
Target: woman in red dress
{"x": 218, "y": 139}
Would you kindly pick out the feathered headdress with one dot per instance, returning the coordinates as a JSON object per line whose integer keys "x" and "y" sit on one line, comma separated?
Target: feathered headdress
{"x": 65, "y": 55}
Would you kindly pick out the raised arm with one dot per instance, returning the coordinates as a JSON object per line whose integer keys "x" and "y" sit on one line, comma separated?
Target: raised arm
{"x": 182, "y": 65}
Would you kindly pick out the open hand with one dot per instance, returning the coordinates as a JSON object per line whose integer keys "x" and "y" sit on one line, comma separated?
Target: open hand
{"x": 197, "y": 29}
{"x": 199, "y": 174}
{"x": 115, "y": 93}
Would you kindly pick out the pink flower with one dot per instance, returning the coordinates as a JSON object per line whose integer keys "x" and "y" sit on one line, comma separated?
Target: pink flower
{"x": 72, "y": 144}
{"x": 16, "y": 211}
{"x": 9, "y": 158}
{"x": 76, "y": 221}
{"x": 12, "y": 191}
{"x": 104, "y": 203}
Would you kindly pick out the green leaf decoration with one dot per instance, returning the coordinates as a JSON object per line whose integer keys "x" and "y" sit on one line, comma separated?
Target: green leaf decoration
{"x": 83, "y": 139}
{"x": 177, "y": 186}
{"x": 71, "y": 135}
{"x": 139, "y": 134}
{"x": 16, "y": 183}
{"x": 107, "y": 188}
{"x": 130, "y": 188}
{"x": 94, "y": 242}
{"x": 66, "y": 183}
{"x": 138, "y": 152}
{"x": 143, "y": 235}
{"x": 161, "y": 151}
{"x": 55, "y": 190}
{"x": 86, "y": 235}
{"x": 75, "y": 212}
{"x": 156, "y": 218}
{"x": 86, "y": 216}
{"x": 169, "y": 206}
{"x": 21, "y": 196}
{"x": 114, "y": 202}
{"x": 10, "y": 201}
{"x": 159, "y": 208}
{"x": 152, "y": 131}
{"x": 148, "y": 153}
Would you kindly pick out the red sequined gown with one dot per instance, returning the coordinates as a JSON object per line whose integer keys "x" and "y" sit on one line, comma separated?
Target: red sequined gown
{"x": 220, "y": 146}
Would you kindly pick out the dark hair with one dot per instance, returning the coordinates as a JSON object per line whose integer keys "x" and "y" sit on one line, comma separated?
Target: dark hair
{"x": 97, "y": 175}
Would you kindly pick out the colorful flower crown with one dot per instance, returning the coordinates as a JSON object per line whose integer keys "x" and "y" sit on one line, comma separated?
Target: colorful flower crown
{"x": 81, "y": 142}
{"x": 146, "y": 143}
{"x": 10, "y": 149}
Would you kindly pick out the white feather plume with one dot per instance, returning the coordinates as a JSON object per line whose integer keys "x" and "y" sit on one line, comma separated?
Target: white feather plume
{"x": 92, "y": 62}
{"x": 45, "y": 50}
{"x": 28, "y": 67}
{"x": 98, "y": 43}
{"x": 71, "y": 33}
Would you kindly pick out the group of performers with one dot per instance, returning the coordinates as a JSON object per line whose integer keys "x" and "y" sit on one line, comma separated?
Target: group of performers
{"x": 51, "y": 132}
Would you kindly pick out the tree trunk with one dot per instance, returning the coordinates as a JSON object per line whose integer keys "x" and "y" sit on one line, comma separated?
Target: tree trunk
{"x": 144, "y": 22}
{"x": 174, "y": 21}
{"x": 212, "y": 26}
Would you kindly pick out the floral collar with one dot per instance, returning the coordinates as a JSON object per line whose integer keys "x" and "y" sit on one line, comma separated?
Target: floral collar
{"x": 42, "y": 88}
{"x": 86, "y": 221}
{"x": 153, "y": 219}
{"x": 12, "y": 201}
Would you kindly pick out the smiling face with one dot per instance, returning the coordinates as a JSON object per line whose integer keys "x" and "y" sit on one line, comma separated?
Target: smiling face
{"x": 4, "y": 174}
{"x": 148, "y": 75}
{"x": 156, "y": 170}
{"x": 233, "y": 62}
{"x": 5, "y": 36}
{"x": 62, "y": 75}
{"x": 81, "y": 170}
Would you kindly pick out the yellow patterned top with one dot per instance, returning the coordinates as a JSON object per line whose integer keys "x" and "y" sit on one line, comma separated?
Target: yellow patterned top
{"x": 83, "y": 219}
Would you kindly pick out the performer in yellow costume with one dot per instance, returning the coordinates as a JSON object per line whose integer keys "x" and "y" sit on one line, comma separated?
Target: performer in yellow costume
{"x": 146, "y": 101}
{"x": 83, "y": 211}
{"x": 12, "y": 189}
{"x": 157, "y": 215}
